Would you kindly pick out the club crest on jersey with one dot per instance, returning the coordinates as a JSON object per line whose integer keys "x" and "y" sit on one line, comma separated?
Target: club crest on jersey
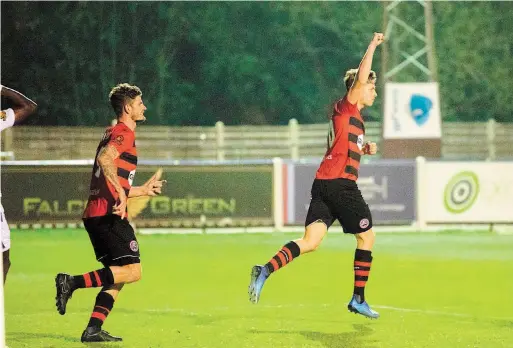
{"x": 359, "y": 142}
{"x": 134, "y": 246}
{"x": 119, "y": 139}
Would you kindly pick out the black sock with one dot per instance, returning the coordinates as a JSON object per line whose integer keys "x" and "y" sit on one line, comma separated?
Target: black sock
{"x": 362, "y": 266}
{"x": 283, "y": 257}
{"x": 94, "y": 279}
{"x": 102, "y": 307}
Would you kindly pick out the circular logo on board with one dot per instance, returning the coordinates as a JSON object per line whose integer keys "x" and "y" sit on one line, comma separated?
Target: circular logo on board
{"x": 134, "y": 246}
{"x": 461, "y": 192}
{"x": 364, "y": 223}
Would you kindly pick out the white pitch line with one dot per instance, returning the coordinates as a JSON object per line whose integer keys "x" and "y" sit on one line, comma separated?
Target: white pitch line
{"x": 226, "y": 308}
{"x": 450, "y": 314}
{"x": 423, "y": 311}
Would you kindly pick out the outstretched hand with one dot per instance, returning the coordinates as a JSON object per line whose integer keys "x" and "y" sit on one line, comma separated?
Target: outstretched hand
{"x": 154, "y": 185}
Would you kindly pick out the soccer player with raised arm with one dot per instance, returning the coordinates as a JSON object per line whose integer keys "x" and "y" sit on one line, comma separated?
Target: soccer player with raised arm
{"x": 22, "y": 108}
{"x": 111, "y": 235}
{"x": 335, "y": 194}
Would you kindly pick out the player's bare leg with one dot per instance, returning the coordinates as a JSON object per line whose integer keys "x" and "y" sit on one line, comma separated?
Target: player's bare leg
{"x": 362, "y": 266}
{"x": 6, "y": 263}
{"x": 314, "y": 233}
{"x": 365, "y": 240}
{"x": 67, "y": 284}
{"x": 127, "y": 274}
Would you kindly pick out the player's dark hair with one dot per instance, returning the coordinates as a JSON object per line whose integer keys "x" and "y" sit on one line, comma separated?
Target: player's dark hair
{"x": 121, "y": 95}
{"x": 351, "y": 75}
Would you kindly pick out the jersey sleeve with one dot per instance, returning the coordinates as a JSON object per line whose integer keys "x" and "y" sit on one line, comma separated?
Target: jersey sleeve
{"x": 6, "y": 119}
{"x": 122, "y": 140}
{"x": 338, "y": 107}
{"x": 343, "y": 105}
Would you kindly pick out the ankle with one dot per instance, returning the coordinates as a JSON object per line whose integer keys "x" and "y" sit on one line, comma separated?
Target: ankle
{"x": 359, "y": 298}
{"x": 93, "y": 329}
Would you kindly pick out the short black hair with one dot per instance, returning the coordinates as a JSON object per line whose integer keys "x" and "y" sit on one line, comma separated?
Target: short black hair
{"x": 122, "y": 94}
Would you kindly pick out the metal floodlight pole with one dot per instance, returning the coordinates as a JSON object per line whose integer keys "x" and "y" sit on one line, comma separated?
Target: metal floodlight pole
{"x": 408, "y": 56}
{"x": 428, "y": 14}
{"x": 401, "y": 27}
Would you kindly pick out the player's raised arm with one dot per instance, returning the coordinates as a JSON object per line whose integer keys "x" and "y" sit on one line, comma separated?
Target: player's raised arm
{"x": 364, "y": 69}
{"x": 23, "y": 105}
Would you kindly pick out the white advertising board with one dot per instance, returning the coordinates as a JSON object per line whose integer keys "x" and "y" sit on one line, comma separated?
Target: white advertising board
{"x": 467, "y": 192}
{"x": 412, "y": 111}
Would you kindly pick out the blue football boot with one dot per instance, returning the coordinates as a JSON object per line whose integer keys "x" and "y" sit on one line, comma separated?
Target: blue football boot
{"x": 259, "y": 275}
{"x": 362, "y": 308}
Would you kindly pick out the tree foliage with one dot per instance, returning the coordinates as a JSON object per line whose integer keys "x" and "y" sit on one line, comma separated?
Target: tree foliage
{"x": 238, "y": 62}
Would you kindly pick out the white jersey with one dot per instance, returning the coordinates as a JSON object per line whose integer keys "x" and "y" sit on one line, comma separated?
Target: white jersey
{"x": 6, "y": 119}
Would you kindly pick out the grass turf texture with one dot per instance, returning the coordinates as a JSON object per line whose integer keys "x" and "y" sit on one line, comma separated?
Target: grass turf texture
{"x": 432, "y": 290}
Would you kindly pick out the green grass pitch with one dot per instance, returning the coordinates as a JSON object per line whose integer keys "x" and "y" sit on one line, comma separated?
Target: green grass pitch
{"x": 432, "y": 290}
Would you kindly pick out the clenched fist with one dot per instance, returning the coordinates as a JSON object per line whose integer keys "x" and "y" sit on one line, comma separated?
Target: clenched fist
{"x": 370, "y": 148}
{"x": 377, "y": 39}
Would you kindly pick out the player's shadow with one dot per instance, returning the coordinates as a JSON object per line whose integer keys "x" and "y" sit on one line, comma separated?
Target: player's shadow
{"x": 25, "y": 336}
{"x": 359, "y": 338}
{"x": 197, "y": 318}
{"x": 503, "y": 323}
{"x": 21, "y": 336}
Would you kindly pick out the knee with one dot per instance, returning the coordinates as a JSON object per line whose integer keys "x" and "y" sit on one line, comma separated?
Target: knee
{"x": 313, "y": 236}
{"x": 131, "y": 273}
{"x": 135, "y": 272}
{"x": 310, "y": 245}
{"x": 366, "y": 239}
{"x": 369, "y": 237}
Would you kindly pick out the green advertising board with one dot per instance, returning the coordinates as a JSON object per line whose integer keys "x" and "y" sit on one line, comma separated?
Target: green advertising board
{"x": 193, "y": 195}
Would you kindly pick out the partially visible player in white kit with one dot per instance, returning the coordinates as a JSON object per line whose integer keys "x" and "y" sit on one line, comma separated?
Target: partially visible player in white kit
{"x": 21, "y": 109}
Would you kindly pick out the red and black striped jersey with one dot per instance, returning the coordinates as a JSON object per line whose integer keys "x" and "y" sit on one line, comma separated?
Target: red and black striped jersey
{"x": 345, "y": 143}
{"x": 102, "y": 195}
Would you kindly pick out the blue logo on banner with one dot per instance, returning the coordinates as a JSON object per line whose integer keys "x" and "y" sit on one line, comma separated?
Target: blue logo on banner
{"x": 419, "y": 108}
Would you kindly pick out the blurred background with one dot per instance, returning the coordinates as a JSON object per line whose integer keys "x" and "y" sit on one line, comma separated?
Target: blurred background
{"x": 243, "y": 63}
{"x": 259, "y": 63}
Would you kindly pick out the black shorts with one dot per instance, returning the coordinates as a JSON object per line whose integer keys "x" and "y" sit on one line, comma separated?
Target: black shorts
{"x": 339, "y": 199}
{"x": 113, "y": 240}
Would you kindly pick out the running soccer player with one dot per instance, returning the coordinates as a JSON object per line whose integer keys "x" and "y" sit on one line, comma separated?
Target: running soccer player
{"x": 335, "y": 194}
{"x": 23, "y": 107}
{"x": 111, "y": 235}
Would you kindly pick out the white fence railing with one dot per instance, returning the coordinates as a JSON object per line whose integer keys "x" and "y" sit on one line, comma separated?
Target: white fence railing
{"x": 480, "y": 141}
